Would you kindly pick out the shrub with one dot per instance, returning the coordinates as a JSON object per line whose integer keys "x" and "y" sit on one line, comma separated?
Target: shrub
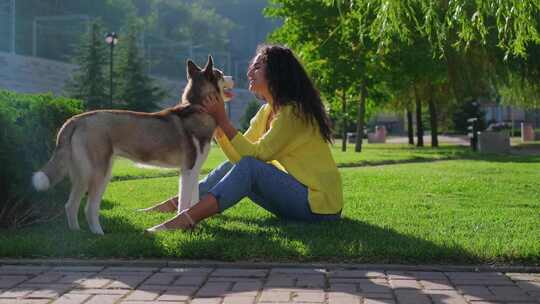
{"x": 250, "y": 111}
{"x": 28, "y": 125}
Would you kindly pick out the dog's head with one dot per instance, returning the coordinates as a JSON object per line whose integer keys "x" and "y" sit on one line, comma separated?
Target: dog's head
{"x": 202, "y": 82}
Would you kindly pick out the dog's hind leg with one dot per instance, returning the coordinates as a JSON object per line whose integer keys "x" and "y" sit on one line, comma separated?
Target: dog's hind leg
{"x": 98, "y": 183}
{"x": 78, "y": 189}
{"x": 79, "y": 168}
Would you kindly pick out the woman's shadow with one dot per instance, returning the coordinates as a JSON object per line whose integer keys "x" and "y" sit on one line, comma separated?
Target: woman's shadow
{"x": 343, "y": 241}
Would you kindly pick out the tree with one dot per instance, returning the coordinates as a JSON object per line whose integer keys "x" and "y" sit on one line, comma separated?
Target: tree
{"x": 419, "y": 125}
{"x": 178, "y": 29}
{"x": 190, "y": 23}
{"x": 520, "y": 85}
{"x": 88, "y": 82}
{"x": 499, "y": 39}
{"x": 472, "y": 47}
{"x": 136, "y": 90}
{"x": 410, "y": 130}
{"x": 514, "y": 23}
{"x": 414, "y": 73}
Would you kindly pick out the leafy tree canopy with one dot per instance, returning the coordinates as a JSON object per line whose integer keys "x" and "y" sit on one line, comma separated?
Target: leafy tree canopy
{"x": 457, "y": 22}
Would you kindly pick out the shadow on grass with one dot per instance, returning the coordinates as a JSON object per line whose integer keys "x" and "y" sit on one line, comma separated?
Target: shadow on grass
{"x": 347, "y": 240}
{"x": 374, "y": 163}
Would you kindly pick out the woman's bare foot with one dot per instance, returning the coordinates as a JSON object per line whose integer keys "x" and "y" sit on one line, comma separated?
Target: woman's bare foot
{"x": 170, "y": 205}
{"x": 181, "y": 221}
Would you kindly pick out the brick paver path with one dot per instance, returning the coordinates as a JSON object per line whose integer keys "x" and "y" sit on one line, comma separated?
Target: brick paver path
{"x": 198, "y": 285}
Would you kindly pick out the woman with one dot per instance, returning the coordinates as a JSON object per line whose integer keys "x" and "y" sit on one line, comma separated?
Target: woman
{"x": 283, "y": 161}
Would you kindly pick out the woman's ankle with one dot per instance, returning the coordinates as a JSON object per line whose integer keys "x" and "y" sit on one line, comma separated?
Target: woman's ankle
{"x": 205, "y": 208}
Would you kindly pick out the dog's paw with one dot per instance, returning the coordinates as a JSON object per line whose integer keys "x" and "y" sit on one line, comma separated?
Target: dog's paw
{"x": 97, "y": 230}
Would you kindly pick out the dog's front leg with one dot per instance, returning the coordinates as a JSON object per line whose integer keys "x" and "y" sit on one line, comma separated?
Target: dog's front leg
{"x": 195, "y": 196}
{"x": 201, "y": 158}
{"x": 189, "y": 184}
{"x": 185, "y": 194}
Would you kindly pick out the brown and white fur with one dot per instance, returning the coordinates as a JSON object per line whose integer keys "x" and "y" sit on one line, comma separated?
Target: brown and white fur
{"x": 177, "y": 137}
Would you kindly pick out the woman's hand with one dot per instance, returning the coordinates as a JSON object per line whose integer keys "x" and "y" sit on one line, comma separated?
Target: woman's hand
{"x": 214, "y": 105}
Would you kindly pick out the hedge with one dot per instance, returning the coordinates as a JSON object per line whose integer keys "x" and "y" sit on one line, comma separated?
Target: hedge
{"x": 28, "y": 126}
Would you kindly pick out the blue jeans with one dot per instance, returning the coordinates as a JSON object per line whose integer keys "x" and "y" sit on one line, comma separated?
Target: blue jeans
{"x": 266, "y": 185}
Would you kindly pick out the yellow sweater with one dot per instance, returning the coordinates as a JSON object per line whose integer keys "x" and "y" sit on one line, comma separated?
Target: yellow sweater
{"x": 295, "y": 147}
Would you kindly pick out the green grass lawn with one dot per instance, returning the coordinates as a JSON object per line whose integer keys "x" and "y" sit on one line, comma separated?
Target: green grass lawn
{"x": 402, "y": 205}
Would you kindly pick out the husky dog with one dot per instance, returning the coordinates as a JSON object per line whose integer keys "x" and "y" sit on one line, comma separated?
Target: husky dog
{"x": 177, "y": 137}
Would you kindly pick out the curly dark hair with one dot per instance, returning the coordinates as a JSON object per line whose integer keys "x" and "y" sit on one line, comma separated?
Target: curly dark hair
{"x": 289, "y": 83}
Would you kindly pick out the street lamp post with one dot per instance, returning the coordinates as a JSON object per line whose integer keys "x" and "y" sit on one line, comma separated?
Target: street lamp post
{"x": 13, "y": 12}
{"x": 111, "y": 39}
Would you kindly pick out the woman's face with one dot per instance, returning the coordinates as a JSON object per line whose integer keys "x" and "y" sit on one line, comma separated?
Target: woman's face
{"x": 257, "y": 78}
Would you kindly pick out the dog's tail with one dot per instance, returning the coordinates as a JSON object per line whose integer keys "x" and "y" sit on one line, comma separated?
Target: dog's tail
{"x": 57, "y": 167}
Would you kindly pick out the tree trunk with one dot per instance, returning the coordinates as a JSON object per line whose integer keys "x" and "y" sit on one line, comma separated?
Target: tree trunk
{"x": 360, "y": 119}
{"x": 419, "y": 127}
{"x": 433, "y": 118}
{"x": 410, "y": 128}
{"x": 344, "y": 122}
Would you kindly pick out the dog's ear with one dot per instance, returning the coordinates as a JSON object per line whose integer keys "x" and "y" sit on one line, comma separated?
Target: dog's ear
{"x": 192, "y": 68}
{"x": 209, "y": 68}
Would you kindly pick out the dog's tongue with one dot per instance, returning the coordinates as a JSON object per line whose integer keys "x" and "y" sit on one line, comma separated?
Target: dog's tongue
{"x": 229, "y": 94}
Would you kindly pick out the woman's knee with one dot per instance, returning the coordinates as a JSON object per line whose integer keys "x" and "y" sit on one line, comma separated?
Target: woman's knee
{"x": 249, "y": 165}
{"x": 224, "y": 166}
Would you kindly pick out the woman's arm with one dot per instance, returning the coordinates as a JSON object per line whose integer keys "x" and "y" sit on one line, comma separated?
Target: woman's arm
{"x": 287, "y": 132}
{"x": 227, "y": 128}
